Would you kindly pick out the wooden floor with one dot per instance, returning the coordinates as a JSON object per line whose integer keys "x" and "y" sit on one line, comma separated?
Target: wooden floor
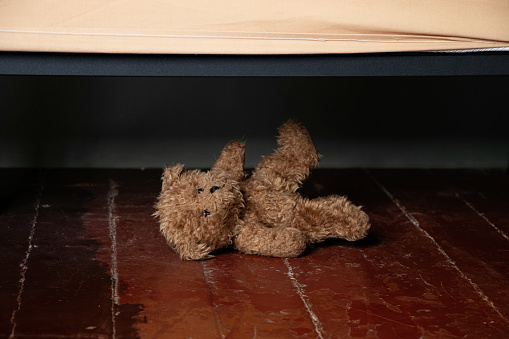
{"x": 81, "y": 256}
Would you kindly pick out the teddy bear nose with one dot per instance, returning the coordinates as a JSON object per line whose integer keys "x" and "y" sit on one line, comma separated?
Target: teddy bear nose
{"x": 206, "y": 213}
{"x": 214, "y": 188}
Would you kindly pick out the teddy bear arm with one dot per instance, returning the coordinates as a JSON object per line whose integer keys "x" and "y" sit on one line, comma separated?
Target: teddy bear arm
{"x": 255, "y": 238}
{"x": 231, "y": 160}
{"x": 330, "y": 217}
{"x": 194, "y": 252}
{"x": 187, "y": 247}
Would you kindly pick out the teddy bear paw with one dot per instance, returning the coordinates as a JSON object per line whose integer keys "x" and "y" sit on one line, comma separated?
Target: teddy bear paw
{"x": 272, "y": 242}
{"x": 289, "y": 242}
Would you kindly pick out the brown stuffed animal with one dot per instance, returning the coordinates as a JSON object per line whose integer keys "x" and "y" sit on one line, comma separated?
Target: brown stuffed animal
{"x": 200, "y": 212}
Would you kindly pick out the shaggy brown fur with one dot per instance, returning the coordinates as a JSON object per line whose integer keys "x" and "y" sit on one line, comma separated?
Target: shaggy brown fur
{"x": 200, "y": 212}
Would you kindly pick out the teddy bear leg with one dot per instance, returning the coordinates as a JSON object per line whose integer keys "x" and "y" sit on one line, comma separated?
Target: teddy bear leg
{"x": 273, "y": 242}
{"x": 330, "y": 217}
{"x": 295, "y": 156}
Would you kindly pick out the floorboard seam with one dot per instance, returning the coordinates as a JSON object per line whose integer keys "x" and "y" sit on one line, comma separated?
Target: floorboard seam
{"x": 471, "y": 206}
{"x": 417, "y": 225}
{"x": 24, "y": 263}
{"x": 300, "y": 290}
{"x": 112, "y": 223}
{"x": 210, "y": 284}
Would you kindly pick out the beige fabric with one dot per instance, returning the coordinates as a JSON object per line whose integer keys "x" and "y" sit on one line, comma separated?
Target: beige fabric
{"x": 252, "y": 26}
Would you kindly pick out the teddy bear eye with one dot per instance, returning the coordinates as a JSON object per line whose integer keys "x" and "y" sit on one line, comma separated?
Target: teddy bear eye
{"x": 200, "y": 190}
{"x": 206, "y": 213}
{"x": 214, "y": 188}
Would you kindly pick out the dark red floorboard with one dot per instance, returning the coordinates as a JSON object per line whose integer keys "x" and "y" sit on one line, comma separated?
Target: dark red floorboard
{"x": 478, "y": 251}
{"x": 254, "y": 297}
{"x": 394, "y": 283}
{"x": 19, "y": 190}
{"x": 65, "y": 290}
{"x": 158, "y": 293}
{"x": 485, "y": 191}
{"x": 434, "y": 264}
{"x": 232, "y": 295}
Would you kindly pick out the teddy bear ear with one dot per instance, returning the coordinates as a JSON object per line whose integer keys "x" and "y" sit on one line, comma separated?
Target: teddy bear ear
{"x": 171, "y": 174}
{"x": 231, "y": 161}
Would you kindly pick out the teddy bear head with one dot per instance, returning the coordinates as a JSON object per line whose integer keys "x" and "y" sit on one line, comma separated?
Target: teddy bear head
{"x": 198, "y": 210}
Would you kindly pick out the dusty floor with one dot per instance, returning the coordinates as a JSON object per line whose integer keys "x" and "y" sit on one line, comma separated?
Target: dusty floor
{"x": 81, "y": 256}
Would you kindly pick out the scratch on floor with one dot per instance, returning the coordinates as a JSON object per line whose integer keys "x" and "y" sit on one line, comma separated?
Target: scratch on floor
{"x": 445, "y": 290}
{"x": 502, "y": 233}
{"x": 300, "y": 290}
{"x": 384, "y": 318}
{"x": 112, "y": 224}
{"x": 24, "y": 263}
{"x": 440, "y": 249}
{"x": 430, "y": 285}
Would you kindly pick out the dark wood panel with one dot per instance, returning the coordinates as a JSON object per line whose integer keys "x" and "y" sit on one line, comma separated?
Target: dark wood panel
{"x": 159, "y": 295}
{"x": 253, "y": 296}
{"x": 485, "y": 191}
{"x": 19, "y": 205}
{"x": 231, "y": 295}
{"x": 395, "y": 283}
{"x": 432, "y": 265}
{"x": 474, "y": 248}
{"x": 66, "y": 291}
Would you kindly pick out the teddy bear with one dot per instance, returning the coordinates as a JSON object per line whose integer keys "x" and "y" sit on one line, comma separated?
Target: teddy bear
{"x": 263, "y": 214}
